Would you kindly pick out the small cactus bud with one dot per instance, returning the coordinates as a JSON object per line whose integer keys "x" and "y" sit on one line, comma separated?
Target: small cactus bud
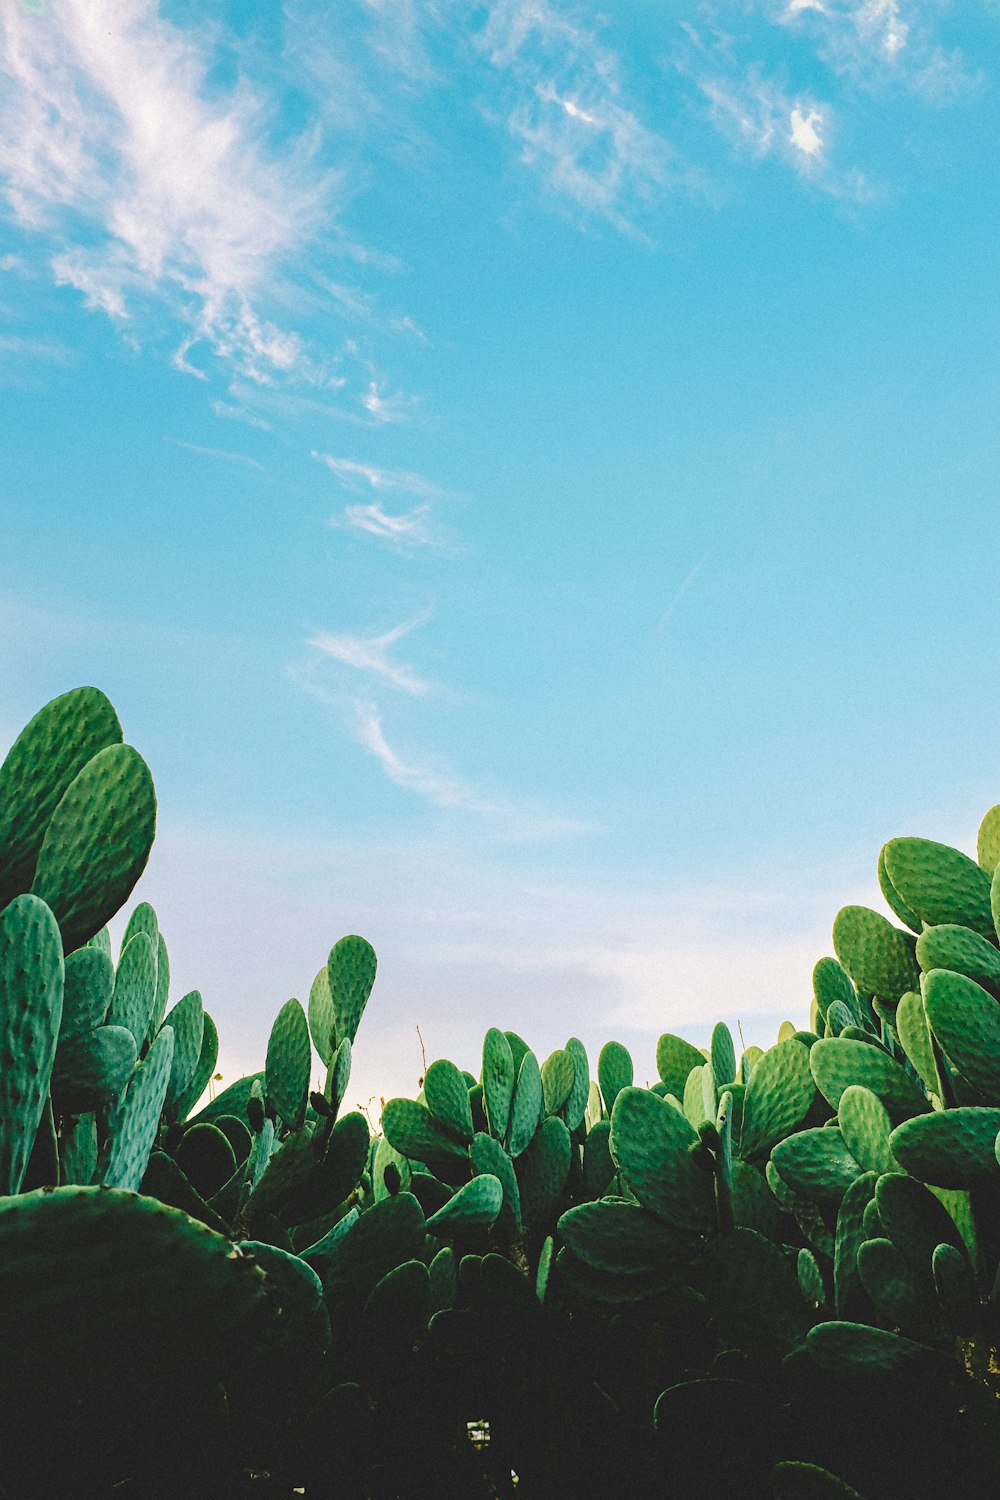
{"x": 320, "y": 1104}
{"x": 255, "y": 1114}
{"x": 391, "y": 1178}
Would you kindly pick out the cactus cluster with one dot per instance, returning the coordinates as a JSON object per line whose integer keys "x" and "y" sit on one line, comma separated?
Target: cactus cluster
{"x": 771, "y": 1274}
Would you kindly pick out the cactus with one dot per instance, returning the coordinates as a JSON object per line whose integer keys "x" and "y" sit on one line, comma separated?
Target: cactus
{"x": 31, "y": 999}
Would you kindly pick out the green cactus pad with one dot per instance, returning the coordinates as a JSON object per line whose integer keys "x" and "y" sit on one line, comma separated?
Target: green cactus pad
{"x": 232, "y": 1100}
{"x": 411, "y": 1128}
{"x": 854, "y": 1351}
{"x": 442, "y": 1279}
{"x": 575, "y": 1106}
{"x": 558, "y": 1073}
{"x": 162, "y": 995}
{"x": 837, "y": 1063}
{"x": 397, "y": 1310}
{"x": 817, "y": 1164}
{"x": 598, "y": 1167}
{"x": 542, "y": 1170}
{"x": 865, "y": 1126}
{"x": 723, "y": 1055}
{"x": 446, "y": 1095}
{"x": 878, "y": 957}
{"x": 386, "y": 1155}
{"x": 988, "y": 841}
{"x": 78, "y": 1151}
{"x": 651, "y": 1144}
{"x": 158, "y": 1286}
{"x": 957, "y": 1293}
{"x": 753, "y": 1293}
{"x": 97, "y": 843}
{"x": 351, "y": 974}
{"x": 45, "y": 758}
{"x": 527, "y": 1106}
{"x": 92, "y": 1069}
{"x": 206, "y": 1158}
{"x": 696, "y": 1111}
{"x": 849, "y": 1297}
{"x": 473, "y": 1209}
{"x": 187, "y": 1021}
{"x": 674, "y": 1060}
{"x": 134, "y": 1121}
{"x": 614, "y": 1072}
{"x": 810, "y": 1279}
{"x": 950, "y": 1149}
{"x": 135, "y": 987}
{"x": 830, "y": 982}
{"x": 940, "y": 884}
{"x": 31, "y": 1000}
{"x": 322, "y": 1022}
{"x": 793, "y": 1480}
{"x": 893, "y": 899}
{"x": 778, "y": 1098}
{"x": 488, "y": 1156}
{"x": 904, "y": 1299}
{"x": 961, "y": 950}
{"x": 288, "y": 1065}
{"x": 966, "y": 1021}
{"x": 915, "y": 1039}
{"x": 338, "y": 1076}
{"x": 914, "y": 1219}
{"x": 622, "y": 1239}
{"x": 89, "y": 981}
{"x": 498, "y": 1081}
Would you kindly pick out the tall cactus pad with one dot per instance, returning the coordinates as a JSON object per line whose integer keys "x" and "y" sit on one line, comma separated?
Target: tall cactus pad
{"x": 321, "y": 1019}
{"x": 46, "y": 756}
{"x": 31, "y": 1000}
{"x": 289, "y": 1061}
{"x": 134, "y": 1121}
{"x": 97, "y": 843}
{"x": 207, "y": 1059}
{"x": 187, "y": 1022}
{"x": 498, "y": 1081}
{"x": 966, "y": 1021}
{"x": 135, "y": 987}
{"x": 446, "y": 1094}
{"x": 351, "y": 973}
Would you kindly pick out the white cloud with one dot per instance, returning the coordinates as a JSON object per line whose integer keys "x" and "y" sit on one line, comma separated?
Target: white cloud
{"x": 370, "y": 654}
{"x": 114, "y": 128}
{"x": 355, "y": 475}
{"x": 220, "y": 453}
{"x": 805, "y": 131}
{"x": 410, "y": 529}
{"x": 517, "y": 822}
{"x": 237, "y": 414}
{"x": 567, "y": 110}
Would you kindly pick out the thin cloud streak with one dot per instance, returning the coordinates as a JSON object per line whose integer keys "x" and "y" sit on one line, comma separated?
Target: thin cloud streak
{"x": 370, "y": 654}
{"x": 515, "y": 822}
{"x": 354, "y": 475}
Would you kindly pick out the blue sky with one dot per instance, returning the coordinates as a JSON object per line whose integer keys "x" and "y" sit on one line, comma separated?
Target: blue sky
{"x": 525, "y": 474}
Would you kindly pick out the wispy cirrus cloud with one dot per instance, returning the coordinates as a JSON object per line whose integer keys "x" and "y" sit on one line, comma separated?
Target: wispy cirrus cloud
{"x": 518, "y": 822}
{"x": 44, "y": 349}
{"x": 353, "y": 474}
{"x": 146, "y": 181}
{"x": 882, "y": 43}
{"x": 411, "y": 528}
{"x": 370, "y": 654}
{"x": 567, "y": 109}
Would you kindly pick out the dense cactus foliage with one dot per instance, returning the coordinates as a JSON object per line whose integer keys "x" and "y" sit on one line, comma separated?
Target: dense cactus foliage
{"x": 771, "y": 1274}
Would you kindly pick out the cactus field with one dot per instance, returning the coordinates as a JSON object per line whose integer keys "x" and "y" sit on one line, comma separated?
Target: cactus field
{"x": 772, "y": 1274}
